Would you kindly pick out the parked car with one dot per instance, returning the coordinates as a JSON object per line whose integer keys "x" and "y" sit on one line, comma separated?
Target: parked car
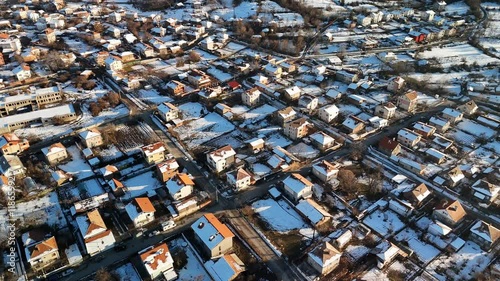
{"x": 168, "y": 225}
{"x": 120, "y": 247}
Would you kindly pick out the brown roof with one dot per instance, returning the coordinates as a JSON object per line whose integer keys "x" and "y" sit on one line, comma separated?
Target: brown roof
{"x": 286, "y": 111}
{"x": 185, "y": 179}
{"x": 411, "y": 95}
{"x": 325, "y": 252}
{"x": 222, "y": 150}
{"x": 454, "y": 210}
{"x": 152, "y": 147}
{"x": 118, "y": 184}
{"x": 145, "y": 204}
{"x": 98, "y": 236}
{"x": 329, "y": 166}
{"x": 155, "y": 253}
{"x": 221, "y": 228}
{"x": 11, "y": 137}
{"x": 241, "y": 174}
{"x": 234, "y": 262}
{"x": 4, "y": 36}
{"x": 388, "y": 144}
{"x": 45, "y": 246}
{"x": 421, "y": 189}
{"x": 302, "y": 179}
{"x": 298, "y": 122}
{"x": 111, "y": 168}
{"x": 95, "y": 221}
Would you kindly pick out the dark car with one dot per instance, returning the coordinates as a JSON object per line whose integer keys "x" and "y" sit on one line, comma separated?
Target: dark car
{"x": 120, "y": 247}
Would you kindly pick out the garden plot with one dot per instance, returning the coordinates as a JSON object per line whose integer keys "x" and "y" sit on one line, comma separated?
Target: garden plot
{"x": 258, "y": 114}
{"x": 384, "y": 223}
{"x": 38, "y": 211}
{"x": 143, "y": 184}
{"x": 278, "y": 139}
{"x": 197, "y": 132}
{"x": 132, "y": 138}
{"x": 84, "y": 190}
{"x": 260, "y": 170}
{"x": 77, "y": 167}
{"x": 451, "y": 55}
{"x": 463, "y": 265}
{"x": 279, "y": 215}
{"x": 348, "y": 109}
{"x": 193, "y": 269}
{"x": 152, "y": 96}
{"x": 233, "y": 139}
{"x": 475, "y": 129}
{"x": 461, "y": 137}
{"x": 192, "y": 110}
{"x": 110, "y": 153}
{"x": 303, "y": 150}
{"x": 482, "y": 156}
{"x": 127, "y": 272}
{"x": 424, "y": 251}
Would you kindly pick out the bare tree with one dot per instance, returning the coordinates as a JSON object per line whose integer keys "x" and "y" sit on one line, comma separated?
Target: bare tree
{"x": 348, "y": 180}
{"x": 375, "y": 180}
{"x": 179, "y": 62}
{"x": 54, "y": 61}
{"x": 194, "y": 56}
{"x": 357, "y": 150}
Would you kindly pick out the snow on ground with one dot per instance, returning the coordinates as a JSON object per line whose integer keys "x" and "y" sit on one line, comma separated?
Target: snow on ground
{"x": 92, "y": 187}
{"x": 152, "y": 96}
{"x": 463, "y": 265}
{"x": 456, "y": 9}
{"x": 142, "y": 184}
{"x": 375, "y": 274}
{"x": 38, "y": 211}
{"x": 278, "y": 140}
{"x": 260, "y": 170}
{"x": 192, "y": 110}
{"x": 494, "y": 146}
{"x": 482, "y": 156}
{"x": 77, "y": 166}
{"x": 424, "y": 251}
{"x": 193, "y": 270}
{"x": 475, "y": 129}
{"x": 425, "y": 99}
{"x": 303, "y": 150}
{"x": 204, "y": 129}
{"x": 452, "y": 54}
{"x": 258, "y": 114}
{"x": 461, "y": 137}
{"x": 127, "y": 272}
{"x": 348, "y": 109}
{"x": 267, "y": 131}
{"x": 279, "y": 215}
{"x": 384, "y": 223}
{"x": 110, "y": 153}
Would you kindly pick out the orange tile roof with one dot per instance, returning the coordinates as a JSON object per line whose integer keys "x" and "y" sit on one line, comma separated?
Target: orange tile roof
{"x": 45, "y": 246}
{"x": 145, "y": 205}
{"x": 98, "y": 236}
{"x": 412, "y": 95}
{"x": 5, "y": 180}
{"x": 4, "y": 36}
{"x": 118, "y": 183}
{"x": 111, "y": 168}
{"x": 95, "y": 221}
{"x": 10, "y": 137}
{"x": 221, "y": 228}
{"x": 185, "y": 179}
{"x": 156, "y": 257}
{"x": 454, "y": 210}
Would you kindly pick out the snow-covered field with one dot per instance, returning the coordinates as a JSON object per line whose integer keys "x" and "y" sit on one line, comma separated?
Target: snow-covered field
{"x": 142, "y": 184}
{"x": 77, "y": 166}
{"x": 192, "y": 110}
{"x": 424, "y": 251}
{"x": 384, "y": 222}
{"x": 203, "y": 129}
{"x": 193, "y": 270}
{"x": 110, "y": 153}
{"x": 127, "y": 272}
{"x": 303, "y": 150}
{"x": 452, "y": 54}
{"x": 279, "y": 215}
{"x": 456, "y": 8}
{"x": 258, "y": 114}
{"x": 348, "y": 109}
{"x": 278, "y": 140}
{"x": 475, "y": 129}
{"x": 36, "y": 212}
{"x": 152, "y": 96}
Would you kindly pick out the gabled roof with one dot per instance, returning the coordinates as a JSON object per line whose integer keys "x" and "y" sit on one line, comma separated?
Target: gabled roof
{"x": 226, "y": 268}
{"x": 95, "y": 220}
{"x": 169, "y": 165}
{"x": 456, "y": 174}
{"x": 211, "y": 231}
{"x": 144, "y": 204}
{"x": 388, "y": 144}
{"x": 43, "y": 247}
{"x": 322, "y": 138}
{"x": 239, "y": 174}
{"x": 88, "y": 134}
{"x": 55, "y": 148}
{"x": 420, "y": 192}
{"x": 157, "y": 147}
{"x": 325, "y": 254}
{"x": 167, "y": 107}
{"x": 486, "y": 231}
{"x": 153, "y": 257}
{"x": 454, "y": 210}
{"x": 411, "y": 95}
{"x": 222, "y": 153}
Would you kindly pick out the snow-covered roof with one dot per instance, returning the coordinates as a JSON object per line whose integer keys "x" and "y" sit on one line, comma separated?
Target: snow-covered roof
{"x": 452, "y": 112}
{"x": 222, "y": 153}
{"x": 169, "y": 165}
{"x": 53, "y": 149}
{"x": 438, "y": 121}
{"x": 322, "y": 138}
{"x": 405, "y": 133}
{"x": 486, "y": 231}
{"x": 325, "y": 254}
{"x": 166, "y": 107}
{"x": 439, "y": 228}
{"x": 154, "y": 148}
{"x": 226, "y": 268}
{"x": 154, "y": 257}
{"x": 42, "y": 114}
{"x": 88, "y": 134}
{"x": 297, "y": 182}
{"x": 423, "y": 127}
{"x": 330, "y": 109}
{"x": 312, "y": 210}
{"x": 434, "y": 153}
{"x": 179, "y": 181}
{"x": 210, "y": 230}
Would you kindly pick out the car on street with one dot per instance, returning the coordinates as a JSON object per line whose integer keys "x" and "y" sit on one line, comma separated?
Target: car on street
{"x": 120, "y": 247}
{"x": 168, "y": 225}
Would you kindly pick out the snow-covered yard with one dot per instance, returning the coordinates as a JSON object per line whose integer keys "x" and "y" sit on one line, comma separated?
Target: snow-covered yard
{"x": 152, "y": 96}
{"x": 142, "y": 184}
{"x": 77, "y": 166}
{"x": 110, "y": 153}
{"x": 193, "y": 270}
{"x": 424, "y": 251}
{"x": 192, "y": 110}
{"x": 278, "y": 139}
{"x": 303, "y": 150}
{"x": 127, "y": 272}
{"x": 279, "y": 215}
{"x": 384, "y": 222}
{"x": 476, "y": 129}
{"x": 203, "y": 129}
{"x": 84, "y": 190}
{"x": 258, "y": 114}
{"x": 452, "y": 54}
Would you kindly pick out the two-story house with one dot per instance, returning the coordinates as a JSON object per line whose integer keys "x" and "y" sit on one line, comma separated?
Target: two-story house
{"x": 214, "y": 237}
{"x": 386, "y": 110}
{"x": 226, "y": 268}
{"x": 395, "y": 84}
{"x": 325, "y": 171}
{"x": 292, "y": 93}
{"x": 154, "y": 153}
{"x": 251, "y": 97}
{"x": 221, "y": 158}
{"x": 97, "y": 237}
{"x": 408, "y": 138}
{"x": 468, "y": 108}
{"x": 417, "y": 195}
{"x": 449, "y": 212}
{"x": 167, "y": 169}
{"x": 322, "y": 140}
{"x": 484, "y": 234}
{"x": 441, "y": 124}
{"x": 452, "y": 115}
{"x": 308, "y": 102}
{"x": 113, "y": 63}
{"x": 10, "y": 144}
{"x": 11, "y": 165}
{"x": 389, "y": 146}
{"x": 168, "y": 111}
{"x": 175, "y": 88}
{"x": 239, "y": 179}
{"x": 408, "y": 101}
{"x": 41, "y": 252}
{"x": 91, "y": 138}
{"x": 324, "y": 258}
{"x": 328, "y": 113}
{"x": 353, "y": 125}
{"x": 485, "y": 191}
{"x": 55, "y": 153}
{"x": 22, "y": 72}
{"x": 297, "y": 129}
{"x": 140, "y": 211}
{"x": 180, "y": 186}
{"x": 285, "y": 115}
{"x": 424, "y": 130}
{"x": 297, "y": 187}
{"x": 158, "y": 262}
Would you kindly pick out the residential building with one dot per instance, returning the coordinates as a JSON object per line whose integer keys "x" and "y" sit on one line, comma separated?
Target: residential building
{"x": 484, "y": 234}
{"x": 158, "y": 262}
{"x": 255, "y": 144}
{"x": 41, "y": 254}
{"x": 441, "y": 124}
{"x": 34, "y": 100}
{"x": 154, "y": 153}
{"x": 325, "y": 171}
{"x": 117, "y": 187}
{"x": 435, "y": 155}
{"x": 285, "y": 115}
{"x": 297, "y": 129}
{"x": 455, "y": 176}
{"x": 324, "y": 258}
{"x": 424, "y": 130}
{"x": 239, "y": 179}
{"x": 395, "y": 84}
{"x": 10, "y": 144}
{"x": 386, "y": 256}
{"x": 322, "y": 140}
{"x": 412, "y": 166}
{"x": 109, "y": 171}
{"x": 449, "y": 212}
{"x": 140, "y": 211}
{"x": 292, "y": 93}
{"x": 389, "y": 146}
{"x": 199, "y": 79}
{"x": 386, "y": 110}
{"x": 297, "y": 187}
{"x": 91, "y": 138}
{"x": 312, "y": 212}
{"x": 180, "y": 186}
{"x": 113, "y": 63}
{"x": 328, "y": 113}
{"x": 308, "y": 102}
{"x": 221, "y": 158}
{"x": 22, "y": 72}
{"x": 175, "y": 88}
{"x": 353, "y": 125}
{"x": 452, "y": 115}
{"x": 251, "y": 97}
{"x": 485, "y": 191}
{"x": 408, "y": 138}
{"x": 408, "y": 101}
{"x": 226, "y": 268}
{"x": 214, "y": 237}
{"x": 273, "y": 70}
{"x": 168, "y": 111}
{"x": 166, "y": 170}
{"x": 417, "y": 195}
{"x": 96, "y": 236}
{"x": 11, "y": 165}
{"x": 55, "y": 153}
{"x": 468, "y": 108}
